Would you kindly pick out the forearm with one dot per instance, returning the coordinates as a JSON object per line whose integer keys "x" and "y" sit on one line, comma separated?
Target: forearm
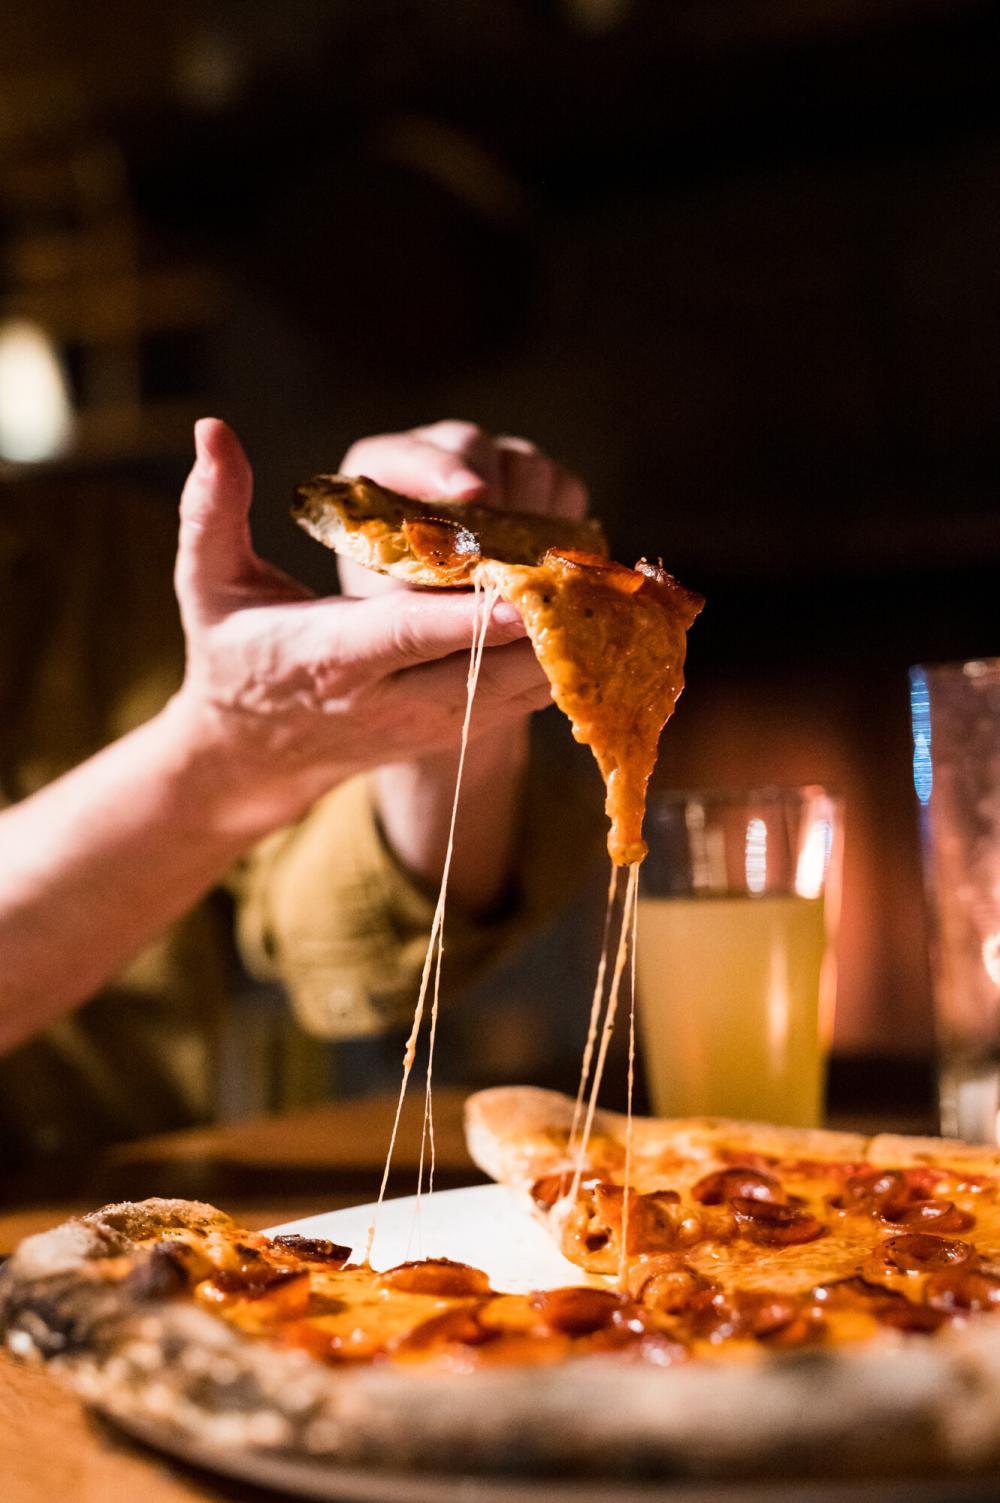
{"x": 414, "y": 804}
{"x": 97, "y": 863}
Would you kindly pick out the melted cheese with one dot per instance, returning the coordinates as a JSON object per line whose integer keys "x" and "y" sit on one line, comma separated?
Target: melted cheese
{"x": 435, "y": 945}
{"x": 611, "y": 642}
{"x": 611, "y": 1011}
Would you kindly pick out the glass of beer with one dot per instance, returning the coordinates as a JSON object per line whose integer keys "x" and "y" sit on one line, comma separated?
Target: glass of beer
{"x": 738, "y": 906}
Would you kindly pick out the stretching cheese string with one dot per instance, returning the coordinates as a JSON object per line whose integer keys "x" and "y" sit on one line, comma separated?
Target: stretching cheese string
{"x": 435, "y": 946}
{"x": 595, "y": 1010}
{"x": 611, "y": 1011}
{"x": 475, "y": 663}
{"x": 622, "y": 1260}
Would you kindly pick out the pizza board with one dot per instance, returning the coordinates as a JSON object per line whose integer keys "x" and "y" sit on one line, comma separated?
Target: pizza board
{"x": 492, "y": 1228}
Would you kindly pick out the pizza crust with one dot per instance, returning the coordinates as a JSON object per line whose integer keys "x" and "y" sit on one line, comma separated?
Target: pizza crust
{"x": 374, "y": 526}
{"x": 190, "y": 1379}
{"x": 516, "y": 1135}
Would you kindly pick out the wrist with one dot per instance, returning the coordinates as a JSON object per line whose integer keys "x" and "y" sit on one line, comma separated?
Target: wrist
{"x": 226, "y": 787}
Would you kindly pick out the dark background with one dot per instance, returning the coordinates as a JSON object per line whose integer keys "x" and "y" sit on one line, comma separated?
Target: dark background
{"x": 737, "y": 263}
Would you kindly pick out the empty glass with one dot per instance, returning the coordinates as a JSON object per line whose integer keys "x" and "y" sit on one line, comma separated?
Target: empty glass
{"x": 956, "y": 773}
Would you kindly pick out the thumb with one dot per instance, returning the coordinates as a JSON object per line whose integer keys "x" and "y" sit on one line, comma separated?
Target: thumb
{"x": 214, "y": 548}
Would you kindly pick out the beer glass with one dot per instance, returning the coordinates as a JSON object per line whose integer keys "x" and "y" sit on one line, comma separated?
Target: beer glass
{"x": 738, "y": 906}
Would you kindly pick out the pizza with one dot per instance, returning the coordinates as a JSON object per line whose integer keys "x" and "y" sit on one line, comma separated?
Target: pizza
{"x": 434, "y": 544}
{"x": 611, "y": 640}
{"x": 786, "y": 1360}
{"x": 749, "y": 1301}
{"x": 740, "y": 1237}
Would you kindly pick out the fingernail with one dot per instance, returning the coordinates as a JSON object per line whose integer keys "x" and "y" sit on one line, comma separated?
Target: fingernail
{"x": 203, "y": 455}
{"x": 463, "y": 484}
{"x": 505, "y": 614}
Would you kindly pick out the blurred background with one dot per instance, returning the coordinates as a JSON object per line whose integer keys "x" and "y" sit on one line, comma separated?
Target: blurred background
{"x": 737, "y": 264}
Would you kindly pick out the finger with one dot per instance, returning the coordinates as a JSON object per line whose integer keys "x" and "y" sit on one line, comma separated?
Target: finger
{"x": 510, "y": 680}
{"x": 388, "y": 633}
{"x": 416, "y": 467}
{"x": 357, "y": 582}
{"x": 570, "y": 497}
{"x": 470, "y": 442}
{"x": 214, "y": 546}
{"x": 534, "y": 482}
{"x": 527, "y": 477}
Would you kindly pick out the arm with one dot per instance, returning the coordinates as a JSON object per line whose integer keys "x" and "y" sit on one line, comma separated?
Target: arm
{"x": 283, "y": 697}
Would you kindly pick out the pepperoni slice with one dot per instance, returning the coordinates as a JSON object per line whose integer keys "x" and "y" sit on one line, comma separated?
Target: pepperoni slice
{"x": 963, "y": 1290}
{"x": 458, "y": 1326}
{"x": 918, "y": 1320}
{"x": 550, "y": 1188}
{"x": 602, "y": 569}
{"x": 888, "y": 1306}
{"x": 872, "y": 1187}
{"x": 751, "y": 1184}
{"x": 256, "y": 1284}
{"x": 773, "y": 1222}
{"x": 663, "y": 1284}
{"x": 929, "y": 1215}
{"x": 775, "y": 1319}
{"x": 439, "y": 541}
{"x": 312, "y": 1249}
{"x": 576, "y": 1312}
{"x": 437, "y": 1276}
{"x": 920, "y": 1252}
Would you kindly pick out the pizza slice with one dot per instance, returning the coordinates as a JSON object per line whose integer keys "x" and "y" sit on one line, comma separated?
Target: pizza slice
{"x": 433, "y": 544}
{"x": 610, "y": 640}
{"x": 742, "y": 1233}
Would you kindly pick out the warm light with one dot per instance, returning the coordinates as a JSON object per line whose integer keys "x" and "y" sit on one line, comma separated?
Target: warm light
{"x": 36, "y": 415}
{"x": 814, "y": 858}
{"x": 755, "y": 858}
{"x": 991, "y": 956}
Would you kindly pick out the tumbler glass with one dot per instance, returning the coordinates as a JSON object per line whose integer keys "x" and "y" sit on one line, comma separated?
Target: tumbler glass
{"x": 738, "y": 906}
{"x": 956, "y": 773}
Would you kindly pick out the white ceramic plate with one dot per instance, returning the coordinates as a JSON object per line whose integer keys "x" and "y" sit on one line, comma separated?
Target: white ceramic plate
{"x": 492, "y": 1228}
{"x": 486, "y": 1226}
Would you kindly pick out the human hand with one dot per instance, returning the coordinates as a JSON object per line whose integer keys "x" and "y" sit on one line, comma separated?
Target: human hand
{"x": 289, "y": 694}
{"x": 458, "y": 461}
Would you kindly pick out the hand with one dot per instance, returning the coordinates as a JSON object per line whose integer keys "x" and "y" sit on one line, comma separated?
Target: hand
{"x": 458, "y": 461}
{"x": 293, "y": 694}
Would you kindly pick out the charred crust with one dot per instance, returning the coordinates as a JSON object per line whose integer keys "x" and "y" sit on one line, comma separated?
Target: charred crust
{"x": 312, "y": 1249}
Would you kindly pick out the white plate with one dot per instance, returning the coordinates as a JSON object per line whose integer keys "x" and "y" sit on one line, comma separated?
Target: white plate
{"x": 492, "y": 1228}
{"x": 487, "y": 1226}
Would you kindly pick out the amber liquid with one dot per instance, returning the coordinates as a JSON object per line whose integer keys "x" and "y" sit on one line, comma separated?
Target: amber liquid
{"x": 730, "y": 1013}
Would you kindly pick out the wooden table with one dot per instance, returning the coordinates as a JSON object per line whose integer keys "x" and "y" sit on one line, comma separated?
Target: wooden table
{"x": 263, "y": 1173}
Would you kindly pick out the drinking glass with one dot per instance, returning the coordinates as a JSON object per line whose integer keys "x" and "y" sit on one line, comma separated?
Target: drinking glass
{"x": 956, "y": 772}
{"x": 738, "y": 906}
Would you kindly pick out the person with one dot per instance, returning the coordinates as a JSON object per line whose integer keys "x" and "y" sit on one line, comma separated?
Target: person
{"x": 295, "y": 717}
